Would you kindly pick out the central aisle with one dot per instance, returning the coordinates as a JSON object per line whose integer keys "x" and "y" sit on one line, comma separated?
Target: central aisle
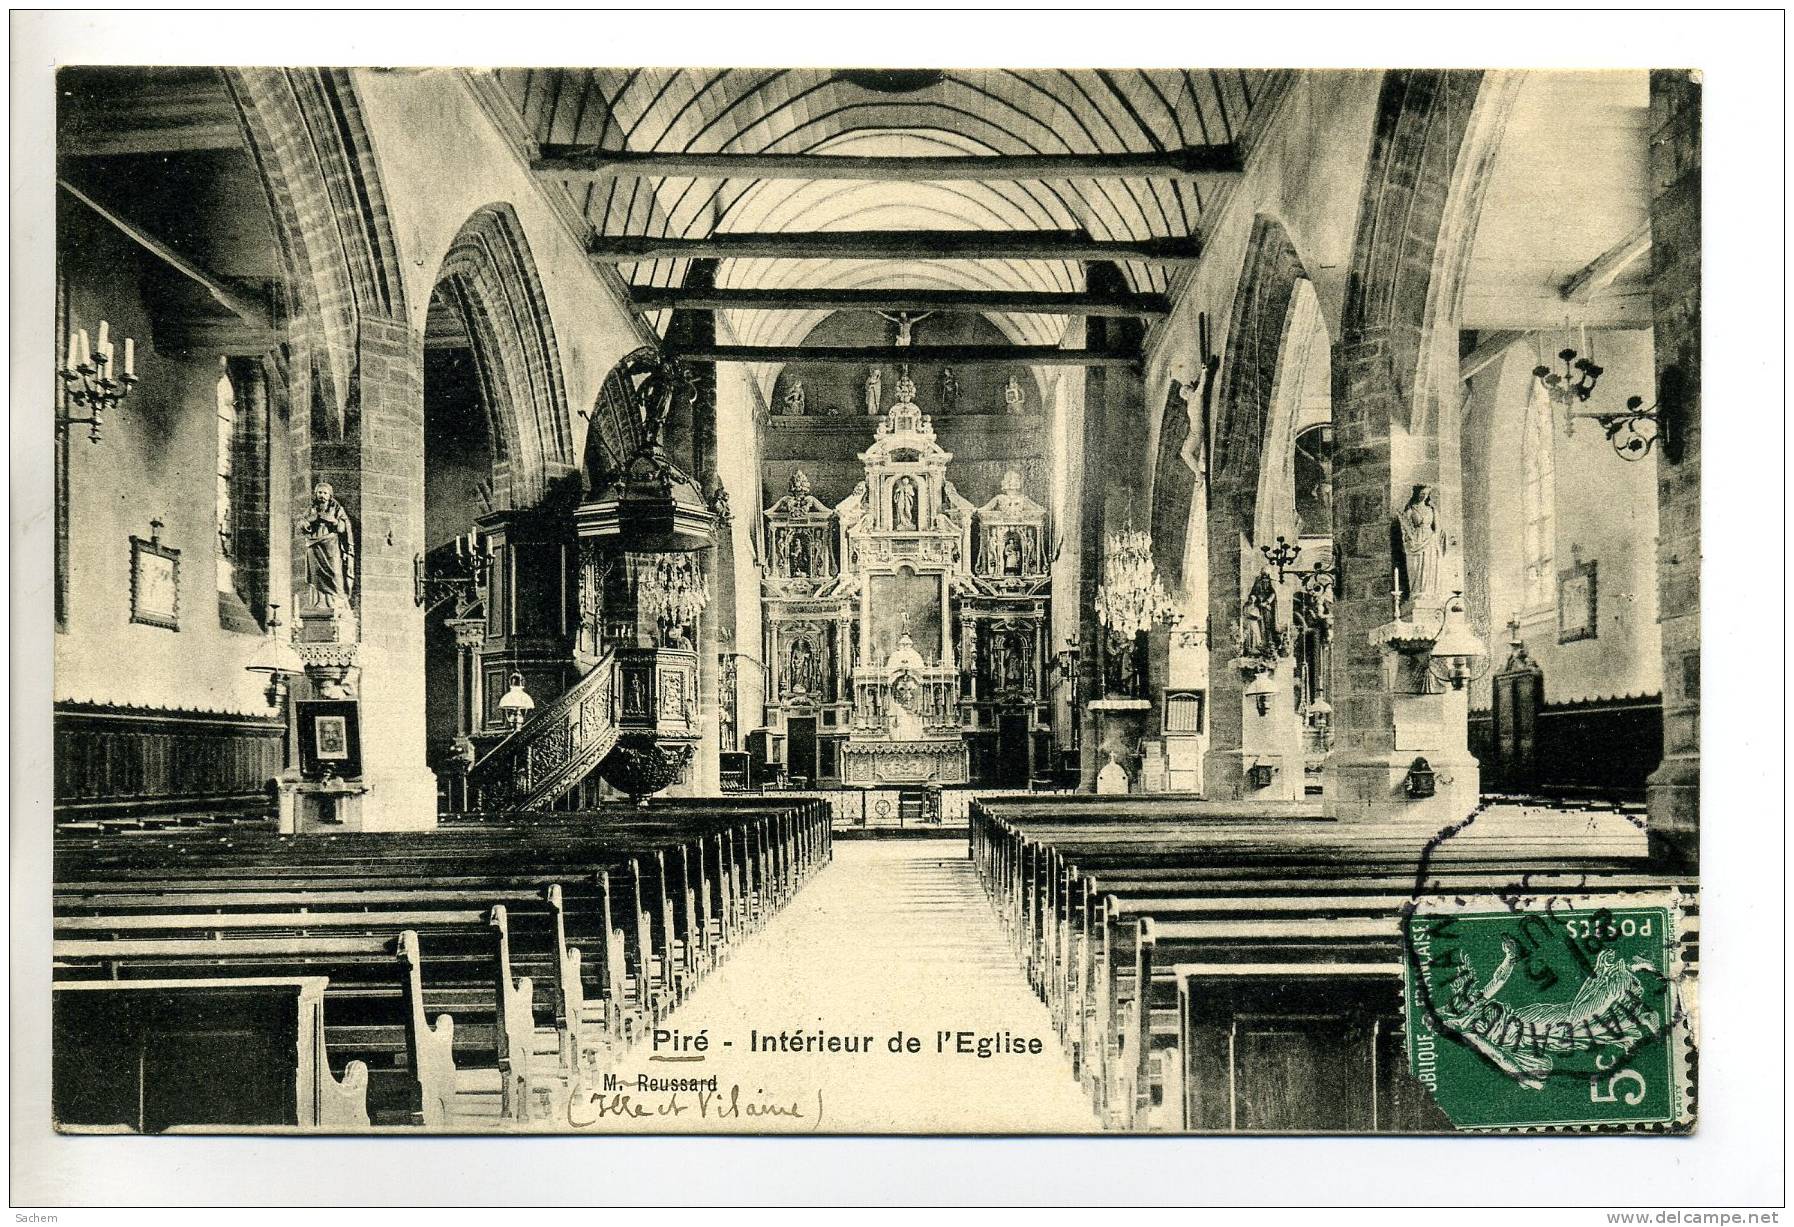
{"x": 893, "y": 936}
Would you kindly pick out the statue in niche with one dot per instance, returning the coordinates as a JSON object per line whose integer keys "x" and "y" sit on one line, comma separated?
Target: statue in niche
{"x": 949, "y": 389}
{"x": 677, "y": 637}
{"x": 903, "y": 504}
{"x": 1260, "y": 634}
{"x": 794, "y": 398}
{"x": 329, "y": 540}
{"x": 1014, "y": 399}
{"x": 1014, "y": 676}
{"x": 1012, "y": 554}
{"x": 803, "y": 667}
{"x": 874, "y": 392}
{"x": 1422, "y": 544}
{"x": 799, "y": 561}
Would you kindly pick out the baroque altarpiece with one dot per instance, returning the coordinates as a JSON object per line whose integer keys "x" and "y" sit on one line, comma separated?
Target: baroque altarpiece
{"x": 907, "y": 630}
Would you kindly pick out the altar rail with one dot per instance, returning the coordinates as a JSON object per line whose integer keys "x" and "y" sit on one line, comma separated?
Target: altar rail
{"x": 867, "y": 809}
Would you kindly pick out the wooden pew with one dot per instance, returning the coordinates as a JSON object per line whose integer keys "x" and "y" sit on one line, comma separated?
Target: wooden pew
{"x": 693, "y": 882}
{"x": 155, "y": 1055}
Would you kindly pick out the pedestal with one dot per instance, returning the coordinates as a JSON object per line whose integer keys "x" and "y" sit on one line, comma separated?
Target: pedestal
{"x": 1269, "y": 765}
{"x": 1115, "y": 728}
{"x": 318, "y": 807}
{"x": 1427, "y": 777}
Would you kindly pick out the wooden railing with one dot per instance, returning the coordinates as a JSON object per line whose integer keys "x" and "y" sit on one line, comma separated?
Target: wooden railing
{"x": 554, "y": 751}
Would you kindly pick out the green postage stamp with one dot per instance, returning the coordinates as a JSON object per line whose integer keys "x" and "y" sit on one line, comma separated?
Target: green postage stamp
{"x": 1553, "y": 1012}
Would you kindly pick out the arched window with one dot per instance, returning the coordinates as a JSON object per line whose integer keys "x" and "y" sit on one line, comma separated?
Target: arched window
{"x": 1538, "y": 500}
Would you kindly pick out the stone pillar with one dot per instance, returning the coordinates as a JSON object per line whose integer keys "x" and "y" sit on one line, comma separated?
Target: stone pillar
{"x": 387, "y": 506}
{"x": 1673, "y": 792}
{"x": 1388, "y": 711}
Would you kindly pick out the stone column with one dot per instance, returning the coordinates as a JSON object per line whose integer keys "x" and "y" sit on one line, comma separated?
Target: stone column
{"x": 1673, "y": 792}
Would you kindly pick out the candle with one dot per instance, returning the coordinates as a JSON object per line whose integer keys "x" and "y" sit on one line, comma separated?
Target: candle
{"x": 130, "y": 356}
{"x": 74, "y": 349}
{"x": 105, "y": 346}
{"x": 84, "y": 351}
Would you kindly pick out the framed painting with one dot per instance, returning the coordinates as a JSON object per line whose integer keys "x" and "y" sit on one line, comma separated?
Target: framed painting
{"x": 155, "y": 584}
{"x": 1578, "y": 603}
{"x": 329, "y": 739}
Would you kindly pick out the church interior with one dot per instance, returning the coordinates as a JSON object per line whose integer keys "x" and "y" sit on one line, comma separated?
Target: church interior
{"x": 539, "y": 552}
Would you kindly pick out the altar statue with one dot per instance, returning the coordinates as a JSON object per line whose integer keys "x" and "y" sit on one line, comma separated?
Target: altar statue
{"x": 874, "y": 392}
{"x": 949, "y": 389}
{"x": 1012, "y": 555}
{"x": 803, "y": 667}
{"x": 905, "y": 323}
{"x": 794, "y": 398}
{"x": 800, "y": 554}
{"x": 1014, "y": 399}
{"x": 329, "y": 549}
{"x": 903, "y": 504}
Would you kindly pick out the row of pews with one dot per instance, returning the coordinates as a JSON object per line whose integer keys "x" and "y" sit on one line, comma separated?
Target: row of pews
{"x": 470, "y": 977}
{"x": 1239, "y": 968}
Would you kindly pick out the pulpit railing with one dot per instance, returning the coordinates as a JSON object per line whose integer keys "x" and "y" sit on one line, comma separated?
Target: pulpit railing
{"x": 557, "y": 748}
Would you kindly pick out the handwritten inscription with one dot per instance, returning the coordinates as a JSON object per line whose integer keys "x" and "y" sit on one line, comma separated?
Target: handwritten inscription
{"x": 587, "y": 1110}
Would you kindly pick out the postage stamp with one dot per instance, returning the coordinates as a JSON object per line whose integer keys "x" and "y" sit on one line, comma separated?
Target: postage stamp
{"x": 1552, "y": 1011}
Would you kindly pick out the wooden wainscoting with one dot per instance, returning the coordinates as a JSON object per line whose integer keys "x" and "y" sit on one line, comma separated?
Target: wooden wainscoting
{"x": 114, "y": 762}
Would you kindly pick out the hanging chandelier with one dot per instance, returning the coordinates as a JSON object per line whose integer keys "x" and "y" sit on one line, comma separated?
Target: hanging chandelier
{"x": 670, "y": 587}
{"x": 1132, "y": 597}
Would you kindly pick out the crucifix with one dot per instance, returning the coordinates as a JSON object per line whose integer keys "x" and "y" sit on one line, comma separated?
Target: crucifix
{"x": 905, "y": 323}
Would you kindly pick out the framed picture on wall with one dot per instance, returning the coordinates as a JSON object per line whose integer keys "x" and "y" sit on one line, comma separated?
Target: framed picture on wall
{"x": 155, "y": 583}
{"x": 329, "y": 739}
{"x": 1577, "y": 602}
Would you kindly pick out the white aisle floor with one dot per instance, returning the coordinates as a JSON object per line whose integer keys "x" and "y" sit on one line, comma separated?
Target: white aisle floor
{"x": 893, "y": 938}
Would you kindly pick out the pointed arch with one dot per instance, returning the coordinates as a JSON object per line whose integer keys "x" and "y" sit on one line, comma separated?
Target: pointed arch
{"x": 498, "y": 290}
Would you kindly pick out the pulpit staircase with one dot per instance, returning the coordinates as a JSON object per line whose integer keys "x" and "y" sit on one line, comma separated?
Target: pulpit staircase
{"x": 553, "y": 753}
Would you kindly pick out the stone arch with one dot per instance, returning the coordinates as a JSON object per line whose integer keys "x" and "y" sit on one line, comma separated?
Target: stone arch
{"x": 499, "y": 293}
{"x": 305, "y": 132}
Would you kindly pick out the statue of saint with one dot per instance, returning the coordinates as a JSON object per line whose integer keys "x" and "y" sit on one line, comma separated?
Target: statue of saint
{"x": 1260, "y": 634}
{"x": 1423, "y": 544}
{"x": 1012, "y": 554}
{"x": 803, "y": 667}
{"x": 329, "y": 541}
{"x": 874, "y": 392}
{"x": 1014, "y": 399}
{"x": 794, "y": 398}
{"x": 800, "y": 553}
{"x": 949, "y": 389}
{"x": 903, "y": 504}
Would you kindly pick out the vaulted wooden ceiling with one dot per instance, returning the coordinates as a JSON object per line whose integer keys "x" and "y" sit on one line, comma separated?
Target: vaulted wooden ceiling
{"x": 1065, "y": 166}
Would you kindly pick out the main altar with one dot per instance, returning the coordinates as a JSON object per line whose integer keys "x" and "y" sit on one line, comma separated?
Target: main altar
{"x": 907, "y": 630}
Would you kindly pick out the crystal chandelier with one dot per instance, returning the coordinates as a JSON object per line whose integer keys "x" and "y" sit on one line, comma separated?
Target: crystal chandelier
{"x": 670, "y": 586}
{"x": 1132, "y": 597}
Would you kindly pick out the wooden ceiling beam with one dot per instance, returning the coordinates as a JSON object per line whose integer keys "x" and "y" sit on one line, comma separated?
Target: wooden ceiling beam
{"x": 894, "y": 245}
{"x": 226, "y": 295}
{"x": 1020, "y": 302}
{"x": 586, "y": 163}
{"x": 895, "y": 355}
{"x": 1604, "y": 269}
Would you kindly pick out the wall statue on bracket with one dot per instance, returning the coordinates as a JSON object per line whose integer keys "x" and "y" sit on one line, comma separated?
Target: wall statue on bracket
{"x": 329, "y": 540}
